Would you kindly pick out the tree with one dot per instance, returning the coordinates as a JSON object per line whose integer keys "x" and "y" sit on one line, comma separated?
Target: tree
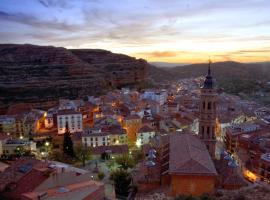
{"x": 122, "y": 183}
{"x": 125, "y": 161}
{"x": 20, "y": 151}
{"x": 83, "y": 154}
{"x": 68, "y": 144}
{"x": 105, "y": 156}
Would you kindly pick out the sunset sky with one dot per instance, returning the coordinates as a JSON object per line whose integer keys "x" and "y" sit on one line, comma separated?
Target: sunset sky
{"x": 182, "y": 31}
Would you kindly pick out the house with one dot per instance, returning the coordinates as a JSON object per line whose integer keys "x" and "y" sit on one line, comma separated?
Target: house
{"x": 132, "y": 124}
{"x": 104, "y": 137}
{"x": 71, "y": 118}
{"x": 144, "y": 135}
{"x": 10, "y": 146}
{"x": 29, "y": 179}
{"x": 7, "y": 124}
{"x": 265, "y": 168}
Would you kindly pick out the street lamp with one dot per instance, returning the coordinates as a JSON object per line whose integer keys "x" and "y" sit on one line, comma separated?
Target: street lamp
{"x": 47, "y": 144}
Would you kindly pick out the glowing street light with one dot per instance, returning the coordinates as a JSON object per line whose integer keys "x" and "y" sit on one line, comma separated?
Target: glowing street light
{"x": 47, "y": 144}
{"x": 139, "y": 143}
{"x": 21, "y": 137}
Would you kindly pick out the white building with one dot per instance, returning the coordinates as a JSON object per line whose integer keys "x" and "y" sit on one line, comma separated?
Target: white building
{"x": 9, "y": 146}
{"x": 160, "y": 97}
{"x": 144, "y": 135}
{"x": 95, "y": 138}
{"x": 71, "y": 118}
{"x": 48, "y": 121}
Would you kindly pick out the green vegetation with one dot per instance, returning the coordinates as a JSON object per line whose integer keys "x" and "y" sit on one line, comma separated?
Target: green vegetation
{"x": 68, "y": 144}
{"x": 101, "y": 175}
{"x": 122, "y": 183}
{"x": 125, "y": 161}
{"x": 83, "y": 154}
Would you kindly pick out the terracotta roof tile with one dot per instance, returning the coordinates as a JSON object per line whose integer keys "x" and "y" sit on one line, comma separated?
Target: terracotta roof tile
{"x": 188, "y": 155}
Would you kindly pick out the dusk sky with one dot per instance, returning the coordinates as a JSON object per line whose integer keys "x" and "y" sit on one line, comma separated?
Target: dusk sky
{"x": 183, "y": 31}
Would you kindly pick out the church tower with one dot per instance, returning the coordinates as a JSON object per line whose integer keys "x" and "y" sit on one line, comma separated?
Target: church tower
{"x": 207, "y": 120}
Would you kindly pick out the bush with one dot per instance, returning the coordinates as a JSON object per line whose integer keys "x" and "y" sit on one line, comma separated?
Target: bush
{"x": 101, "y": 175}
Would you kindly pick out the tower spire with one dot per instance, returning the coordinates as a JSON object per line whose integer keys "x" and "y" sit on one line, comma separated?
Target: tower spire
{"x": 209, "y": 67}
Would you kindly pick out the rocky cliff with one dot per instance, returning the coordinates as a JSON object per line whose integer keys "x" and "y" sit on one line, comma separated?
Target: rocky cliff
{"x": 30, "y": 73}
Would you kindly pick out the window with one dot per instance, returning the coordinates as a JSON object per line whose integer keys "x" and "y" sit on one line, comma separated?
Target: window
{"x": 204, "y": 105}
{"x": 91, "y": 139}
{"x": 209, "y": 106}
{"x": 96, "y": 139}
{"x": 104, "y": 143}
{"x": 208, "y": 130}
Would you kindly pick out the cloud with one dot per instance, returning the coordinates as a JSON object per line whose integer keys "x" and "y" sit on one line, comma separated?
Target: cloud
{"x": 161, "y": 54}
{"x": 55, "y": 3}
{"x": 36, "y": 22}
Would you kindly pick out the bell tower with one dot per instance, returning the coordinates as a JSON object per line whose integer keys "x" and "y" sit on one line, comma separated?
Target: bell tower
{"x": 207, "y": 119}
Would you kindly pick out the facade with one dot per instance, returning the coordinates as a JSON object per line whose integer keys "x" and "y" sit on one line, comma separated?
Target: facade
{"x": 7, "y": 124}
{"x": 10, "y": 146}
{"x": 207, "y": 120}
{"x": 235, "y": 131}
{"x": 144, "y": 135}
{"x": 188, "y": 166}
{"x": 132, "y": 124}
{"x": 71, "y": 118}
{"x": 96, "y": 138}
{"x": 265, "y": 168}
{"x": 48, "y": 122}
{"x": 160, "y": 97}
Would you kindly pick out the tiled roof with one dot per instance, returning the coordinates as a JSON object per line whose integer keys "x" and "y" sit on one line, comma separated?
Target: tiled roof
{"x": 145, "y": 129}
{"x": 23, "y": 175}
{"x": 67, "y": 112}
{"x": 188, "y": 155}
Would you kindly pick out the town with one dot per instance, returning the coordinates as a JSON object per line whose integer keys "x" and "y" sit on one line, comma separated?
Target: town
{"x": 183, "y": 138}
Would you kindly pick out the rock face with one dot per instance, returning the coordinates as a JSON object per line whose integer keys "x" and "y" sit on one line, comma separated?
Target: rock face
{"x": 121, "y": 69}
{"x": 30, "y": 73}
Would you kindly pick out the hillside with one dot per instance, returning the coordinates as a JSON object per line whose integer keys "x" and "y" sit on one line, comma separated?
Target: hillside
{"x": 30, "y": 73}
{"x": 250, "y": 81}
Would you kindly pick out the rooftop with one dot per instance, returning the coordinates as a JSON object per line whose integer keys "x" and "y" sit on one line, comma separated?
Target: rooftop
{"x": 188, "y": 155}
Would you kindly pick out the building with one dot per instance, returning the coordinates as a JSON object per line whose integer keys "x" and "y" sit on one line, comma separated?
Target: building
{"x": 31, "y": 179}
{"x": 144, "y": 135}
{"x": 10, "y": 146}
{"x": 71, "y": 118}
{"x": 234, "y": 131}
{"x": 190, "y": 168}
{"x": 132, "y": 124}
{"x": 207, "y": 120}
{"x": 48, "y": 121}
{"x": 265, "y": 168}
{"x": 7, "y": 124}
{"x": 160, "y": 97}
{"x": 96, "y": 138}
